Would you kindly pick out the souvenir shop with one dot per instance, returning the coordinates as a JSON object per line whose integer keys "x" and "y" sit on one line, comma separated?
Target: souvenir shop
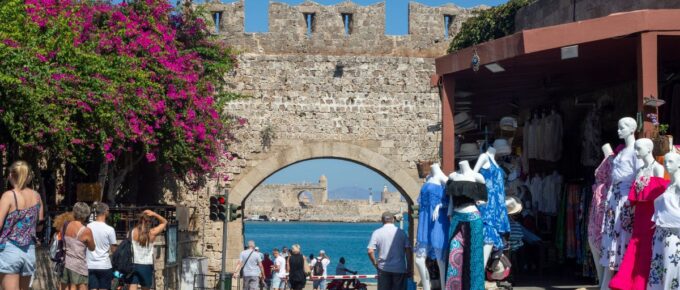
{"x": 539, "y": 141}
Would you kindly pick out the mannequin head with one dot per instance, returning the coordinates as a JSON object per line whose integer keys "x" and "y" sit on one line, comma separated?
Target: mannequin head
{"x": 672, "y": 162}
{"x": 643, "y": 147}
{"x": 627, "y": 126}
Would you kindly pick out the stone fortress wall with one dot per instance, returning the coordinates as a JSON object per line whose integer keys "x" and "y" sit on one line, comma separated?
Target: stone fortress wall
{"x": 365, "y": 97}
{"x": 283, "y": 202}
{"x": 288, "y": 29}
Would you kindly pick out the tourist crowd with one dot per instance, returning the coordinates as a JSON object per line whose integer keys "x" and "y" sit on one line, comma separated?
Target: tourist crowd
{"x": 82, "y": 246}
{"x": 289, "y": 269}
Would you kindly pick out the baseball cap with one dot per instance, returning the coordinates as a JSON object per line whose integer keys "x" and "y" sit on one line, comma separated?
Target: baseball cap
{"x": 322, "y": 252}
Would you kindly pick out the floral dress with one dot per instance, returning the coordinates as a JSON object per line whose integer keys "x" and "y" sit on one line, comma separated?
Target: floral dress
{"x": 432, "y": 235}
{"x": 494, "y": 213}
{"x": 665, "y": 267}
{"x": 603, "y": 181}
{"x": 617, "y": 225}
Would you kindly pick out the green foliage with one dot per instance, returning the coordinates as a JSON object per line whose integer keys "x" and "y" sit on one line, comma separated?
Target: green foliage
{"x": 488, "y": 24}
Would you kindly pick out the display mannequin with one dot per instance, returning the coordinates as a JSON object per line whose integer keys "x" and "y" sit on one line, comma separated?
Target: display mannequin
{"x": 649, "y": 184}
{"x": 465, "y": 189}
{"x": 494, "y": 213}
{"x": 432, "y": 224}
{"x": 617, "y": 222}
{"x": 602, "y": 183}
{"x": 665, "y": 271}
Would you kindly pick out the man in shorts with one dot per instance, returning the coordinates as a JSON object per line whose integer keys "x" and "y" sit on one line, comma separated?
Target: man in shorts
{"x": 278, "y": 271}
{"x": 251, "y": 263}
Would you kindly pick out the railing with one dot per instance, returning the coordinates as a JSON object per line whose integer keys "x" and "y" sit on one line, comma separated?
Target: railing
{"x": 123, "y": 218}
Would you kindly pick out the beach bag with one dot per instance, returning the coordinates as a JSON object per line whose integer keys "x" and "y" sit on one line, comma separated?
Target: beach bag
{"x": 498, "y": 267}
{"x": 123, "y": 258}
{"x": 318, "y": 267}
{"x": 57, "y": 252}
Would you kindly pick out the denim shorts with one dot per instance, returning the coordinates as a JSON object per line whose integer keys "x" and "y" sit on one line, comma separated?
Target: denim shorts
{"x": 142, "y": 275}
{"x": 14, "y": 260}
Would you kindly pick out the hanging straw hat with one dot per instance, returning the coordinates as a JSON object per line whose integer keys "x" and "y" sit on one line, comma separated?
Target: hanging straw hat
{"x": 513, "y": 204}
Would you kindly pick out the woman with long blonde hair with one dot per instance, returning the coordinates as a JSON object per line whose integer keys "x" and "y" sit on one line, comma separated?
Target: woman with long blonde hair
{"x": 143, "y": 236}
{"x": 21, "y": 210}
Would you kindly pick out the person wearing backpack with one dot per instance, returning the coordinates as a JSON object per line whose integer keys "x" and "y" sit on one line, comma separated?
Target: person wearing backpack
{"x": 100, "y": 272}
{"x": 77, "y": 239}
{"x": 319, "y": 268}
{"x": 21, "y": 210}
{"x": 250, "y": 268}
{"x": 143, "y": 236}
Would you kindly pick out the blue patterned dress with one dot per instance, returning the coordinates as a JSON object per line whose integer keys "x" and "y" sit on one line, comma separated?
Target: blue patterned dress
{"x": 432, "y": 235}
{"x": 465, "y": 269}
{"x": 494, "y": 213}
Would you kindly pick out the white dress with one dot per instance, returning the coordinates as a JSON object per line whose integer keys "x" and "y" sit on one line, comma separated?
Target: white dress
{"x": 617, "y": 226}
{"x": 665, "y": 269}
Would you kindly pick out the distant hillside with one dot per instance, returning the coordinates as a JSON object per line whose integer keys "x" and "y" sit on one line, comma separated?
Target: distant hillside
{"x": 352, "y": 192}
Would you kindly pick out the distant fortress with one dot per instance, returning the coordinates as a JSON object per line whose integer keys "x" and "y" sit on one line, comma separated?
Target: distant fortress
{"x": 309, "y": 202}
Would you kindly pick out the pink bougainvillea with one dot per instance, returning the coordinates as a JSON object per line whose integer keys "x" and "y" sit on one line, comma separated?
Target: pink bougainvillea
{"x": 131, "y": 78}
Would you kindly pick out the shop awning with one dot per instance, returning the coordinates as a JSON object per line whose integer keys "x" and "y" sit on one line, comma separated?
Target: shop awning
{"x": 554, "y": 37}
{"x": 622, "y": 47}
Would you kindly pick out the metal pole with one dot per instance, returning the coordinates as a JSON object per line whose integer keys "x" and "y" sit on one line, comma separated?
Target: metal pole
{"x": 223, "y": 272}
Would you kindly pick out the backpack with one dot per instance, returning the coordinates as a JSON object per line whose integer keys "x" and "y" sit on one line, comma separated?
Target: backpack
{"x": 318, "y": 267}
{"x": 57, "y": 252}
{"x": 123, "y": 258}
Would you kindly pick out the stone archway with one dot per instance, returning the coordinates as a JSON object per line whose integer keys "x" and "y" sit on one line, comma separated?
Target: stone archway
{"x": 404, "y": 179}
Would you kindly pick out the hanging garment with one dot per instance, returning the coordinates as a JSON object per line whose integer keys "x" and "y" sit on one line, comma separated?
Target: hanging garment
{"x": 534, "y": 140}
{"x": 617, "y": 225}
{"x": 602, "y": 183}
{"x": 466, "y": 254}
{"x": 557, "y": 131}
{"x": 592, "y": 139}
{"x": 634, "y": 269}
{"x": 494, "y": 213}
{"x": 432, "y": 235}
{"x": 535, "y": 186}
{"x": 665, "y": 267}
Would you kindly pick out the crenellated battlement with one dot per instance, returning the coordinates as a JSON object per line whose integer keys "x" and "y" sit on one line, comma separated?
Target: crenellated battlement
{"x": 341, "y": 29}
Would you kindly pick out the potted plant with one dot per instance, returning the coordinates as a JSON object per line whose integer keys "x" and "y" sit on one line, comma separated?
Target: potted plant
{"x": 662, "y": 142}
{"x": 424, "y": 168}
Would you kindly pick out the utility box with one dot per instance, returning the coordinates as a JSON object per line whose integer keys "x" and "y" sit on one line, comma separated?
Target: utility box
{"x": 194, "y": 273}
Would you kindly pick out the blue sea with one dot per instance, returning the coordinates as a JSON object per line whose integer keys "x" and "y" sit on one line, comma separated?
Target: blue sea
{"x": 347, "y": 240}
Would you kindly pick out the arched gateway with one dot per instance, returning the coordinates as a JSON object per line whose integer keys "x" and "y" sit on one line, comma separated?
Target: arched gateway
{"x": 405, "y": 179}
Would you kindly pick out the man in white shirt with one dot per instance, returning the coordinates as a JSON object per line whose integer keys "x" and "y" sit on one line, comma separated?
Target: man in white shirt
{"x": 324, "y": 261}
{"x": 394, "y": 263}
{"x": 278, "y": 271}
{"x": 100, "y": 272}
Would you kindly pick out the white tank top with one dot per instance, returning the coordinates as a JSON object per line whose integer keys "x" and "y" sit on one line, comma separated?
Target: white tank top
{"x": 142, "y": 255}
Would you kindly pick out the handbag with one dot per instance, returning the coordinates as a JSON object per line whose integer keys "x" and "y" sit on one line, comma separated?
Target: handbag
{"x": 59, "y": 256}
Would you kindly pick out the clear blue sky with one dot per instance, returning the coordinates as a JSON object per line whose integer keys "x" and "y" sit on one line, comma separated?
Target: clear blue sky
{"x": 396, "y": 11}
{"x": 340, "y": 173}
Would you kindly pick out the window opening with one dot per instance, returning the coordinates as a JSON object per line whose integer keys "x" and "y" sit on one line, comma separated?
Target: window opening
{"x": 309, "y": 19}
{"x": 448, "y": 23}
{"x": 217, "y": 18}
{"x": 347, "y": 20}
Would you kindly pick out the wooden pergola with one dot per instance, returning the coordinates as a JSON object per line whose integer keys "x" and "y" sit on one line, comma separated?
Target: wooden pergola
{"x": 619, "y": 47}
